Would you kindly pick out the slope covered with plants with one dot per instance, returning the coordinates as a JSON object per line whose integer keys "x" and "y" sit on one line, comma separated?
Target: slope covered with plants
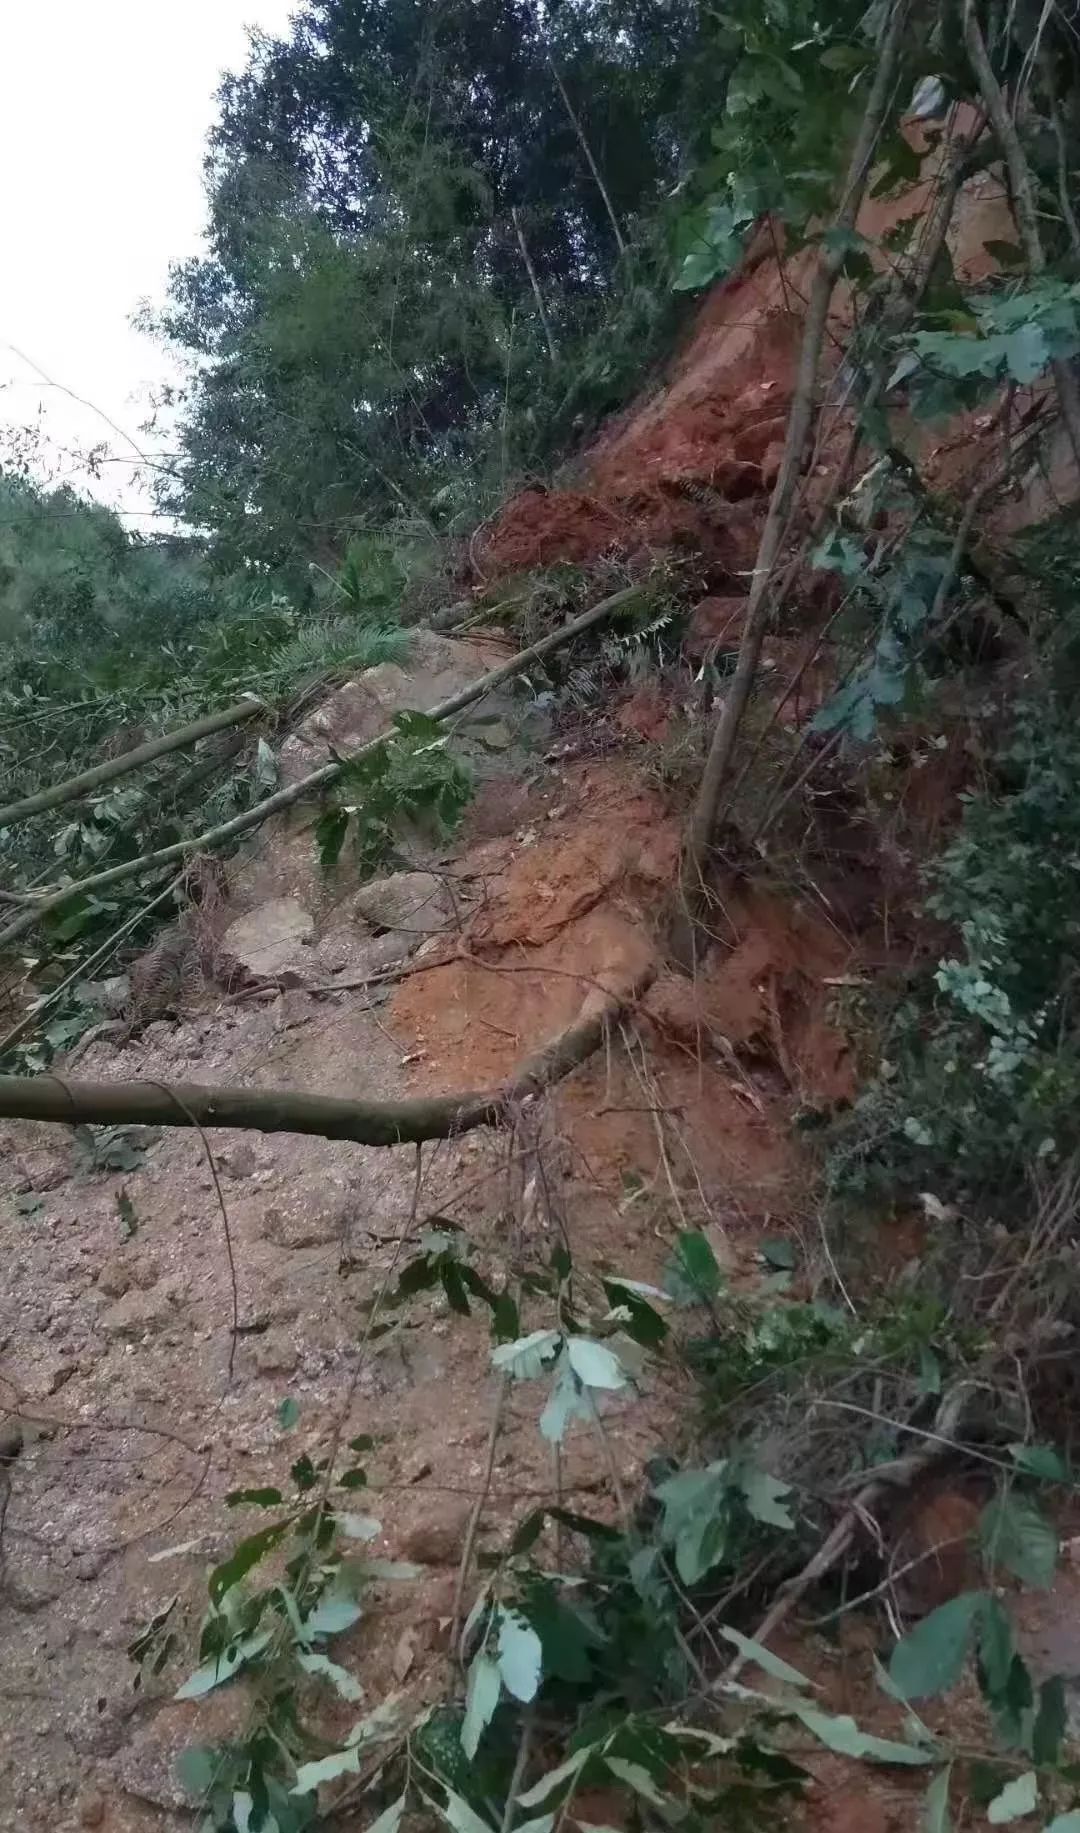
{"x": 712, "y": 380}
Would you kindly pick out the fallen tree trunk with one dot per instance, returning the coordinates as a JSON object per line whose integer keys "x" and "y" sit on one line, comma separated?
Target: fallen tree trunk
{"x": 367, "y": 1123}
{"x": 318, "y": 779}
{"x": 83, "y": 785}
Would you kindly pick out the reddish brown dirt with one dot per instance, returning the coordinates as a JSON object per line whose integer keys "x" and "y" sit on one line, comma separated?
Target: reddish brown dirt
{"x": 715, "y": 1066}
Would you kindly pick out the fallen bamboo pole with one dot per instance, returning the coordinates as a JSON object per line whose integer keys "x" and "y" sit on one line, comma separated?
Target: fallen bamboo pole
{"x": 367, "y": 1123}
{"x": 83, "y": 785}
{"x": 318, "y": 779}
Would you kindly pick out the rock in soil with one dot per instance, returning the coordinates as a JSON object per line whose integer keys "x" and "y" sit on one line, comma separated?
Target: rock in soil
{"x": 416, "y": 902}
{"x": 271, "y": 938}
{"x": 438, "y": 1540}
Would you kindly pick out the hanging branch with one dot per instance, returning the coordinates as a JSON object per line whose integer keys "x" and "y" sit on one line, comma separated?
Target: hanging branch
{"x": 317, "y": 780}
{"x": 89, "y": 780}
{"x": 367, "y": 1123}
{"x": 1023, "y": 203}
{"x": 703, "y": 819}
{"x": 587, "y": 150}
{"x": 533, "y": 281}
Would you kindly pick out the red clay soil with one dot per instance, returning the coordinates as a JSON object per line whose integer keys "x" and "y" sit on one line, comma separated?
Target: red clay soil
{"x": 693, "y": 465}
{"x": 723, "y": 1059}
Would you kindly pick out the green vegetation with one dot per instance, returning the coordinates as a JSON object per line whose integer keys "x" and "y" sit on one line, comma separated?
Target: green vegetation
{"x": 444, "y": 242}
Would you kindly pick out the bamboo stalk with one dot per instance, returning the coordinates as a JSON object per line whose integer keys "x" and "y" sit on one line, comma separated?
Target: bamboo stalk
{"x": 1023, "y": 202}
{"x": 702, "y": 825}
{"x": 368, "y": 1123}
{"x": 77, "y": 786}
{"x": 317, "y": 780}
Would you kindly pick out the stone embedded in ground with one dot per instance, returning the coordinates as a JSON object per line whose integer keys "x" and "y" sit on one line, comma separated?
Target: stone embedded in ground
{"x": 304, "y": 1225}
{"x": 115, "y": 1276}
{"x": 438, "y": 1539}
{"x": 415, "y": 903}
{"x": 136, "y": 1313}
{"x": 272, "y": 937}
{"x": 276, "y": 1354}
{"x": 146, "y": 1767}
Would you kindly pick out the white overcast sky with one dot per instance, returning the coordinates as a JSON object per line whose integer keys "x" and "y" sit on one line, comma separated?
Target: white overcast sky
{"x": 104, "y": 107}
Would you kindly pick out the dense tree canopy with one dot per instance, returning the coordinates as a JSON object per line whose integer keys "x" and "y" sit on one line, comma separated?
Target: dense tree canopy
{"x": 419, "y": 212}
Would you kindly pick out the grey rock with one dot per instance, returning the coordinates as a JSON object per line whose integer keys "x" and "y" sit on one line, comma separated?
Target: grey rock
{"x": 276, "y": 1354}
{"x": 416, "y": 903}
{"x": 136, "y": 1313}
{"x": 270, "y": 938}
{"x": 115, "y": 1276}
{"x": 238, "y": 1161}
{"x": 303, "y": 1224}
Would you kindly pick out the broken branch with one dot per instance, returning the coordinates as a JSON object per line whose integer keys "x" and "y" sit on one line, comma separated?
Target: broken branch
{"x": 367, "y": 1123}
{"x": 317, "y": 780}
{"x": 89, "y": 780}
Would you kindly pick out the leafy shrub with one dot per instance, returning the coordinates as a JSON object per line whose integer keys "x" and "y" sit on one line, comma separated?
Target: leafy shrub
{"x": 979, "y": 1082}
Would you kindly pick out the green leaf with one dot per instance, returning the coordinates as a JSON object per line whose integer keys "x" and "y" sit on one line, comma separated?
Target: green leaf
{"x": 1026, "y": 353}
{"x": 693, "y": 1276}
{"x": 458, "y": 1814}
{"x": 520, "y": 1656}
{"x": 936, "y": 1817}
{"x": 1048, "y": 1732}
{"x": 995, "y": 1646}
{"x": 696, "y": 1518}
{"x": 524, "y": 1359}
{"x": 340, "y": 1678}
{"x": 303, "y": 1473}
{"x": 253, "y": 1498}
{"x": 594, "y": 1364}
{"x": 763, "y": 1496}
{"x": 357, "y": 1527}
{"x": 481, "y": 1699}
{"x": 505, "y": 1321}
{"x": 565, "y": 1402}
{"x": 842, "y": 1735}
{"x": 353, "y": 1479}
{"x": 246, "y": 1555}
{"x": 644, "y": 1323}
{"x": 454, "y": 1286}
{"x": 779, "y": 1253}
{"x": 763, "y": 1657}
{"x": 390, "y": 1819}
{"x": 844, "y": 58}
{"x": 326, "y": 1769}
{"x": 556, "y": 1777}
{"x": 1014, "y": 1533}
{"x": 330, "y": 830}
{"x": 1040, "y": 1461}
{"x": 215, "y": 1673}
{"x": 1017, "y": 1798}
{"x": 287, "y": 1414}
{"x": 198, "y": 1768}
{"x": 335, "y": 1611}
{"x": 637, "y": 1777}
{"x": 931, "y": 1658}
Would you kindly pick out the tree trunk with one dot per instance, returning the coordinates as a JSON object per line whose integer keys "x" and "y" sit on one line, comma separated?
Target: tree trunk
{"x": 89, "y": 780}
{"x": 368, "y": 1123}
{"x": 707, "y": 807}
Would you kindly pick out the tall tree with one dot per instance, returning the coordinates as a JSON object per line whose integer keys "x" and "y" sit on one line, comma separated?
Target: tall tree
{"x": 411, "y": 203}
